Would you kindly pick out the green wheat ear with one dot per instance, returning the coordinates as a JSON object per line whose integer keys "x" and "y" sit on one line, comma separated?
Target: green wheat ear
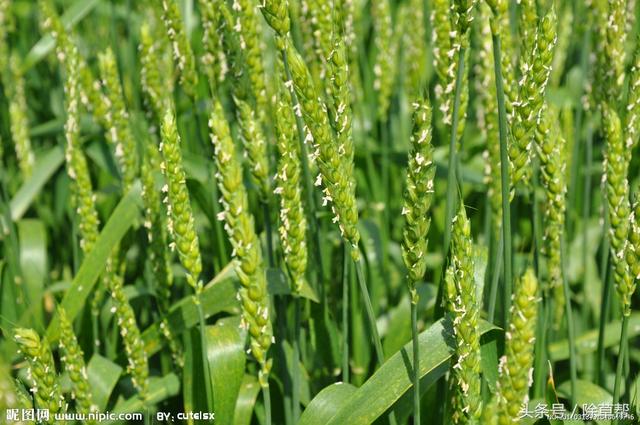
{"x": 333, "y": 159}
{"x": 41, "y": 372}
{"x": 6, "y": 25}
{"x": 527, "y": 111}
{"x": 617, "y": 193}
{"x": 118, "y": 130}
{"x": 73, "y": 361}
{"x": 239, "y": 224}
{"x": 632, "y": 117}
{"x": 384, "y": 68}
{"x": 77, "y": 168}
{"x": 138, "y": 365}
{"x": 181, "y": 221}
{"x": 293, "y": 223}
{"x": 153, "y": 71}
{"x": 182, "y": 52}
{"x": 418, "y": 196}
{"x": 276, "y": 13}
{"x": 450, "y": 22}
{"x": 255, "y": 147}
{"x": 551, "y": 147}
{"x": 247, "y": 27}
{"x": 214, "y": 60}
{"x": 516, "y": 366}
{"x": 18, "y": 118}
{"x": 12, "y": 397}
{"x": 464, "y": 311}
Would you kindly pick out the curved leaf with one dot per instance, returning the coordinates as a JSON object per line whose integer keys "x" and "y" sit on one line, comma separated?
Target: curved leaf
{"x": 389, "y": 383}
{"x": 160, "y": 388}
{"x": 588, "y": 341}
{"x": 103, "y": 375}
{"x": 327, "y": 403}
{"x": 587, "y": 393}
{"x": 43, "y": 169}
{"x": 225, "y": 350}
{"x": 246, "y": 400}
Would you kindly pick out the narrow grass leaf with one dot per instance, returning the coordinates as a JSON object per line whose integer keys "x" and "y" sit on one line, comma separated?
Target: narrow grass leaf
{"x": 225, "y": 350}
{"x": 103, "y": 376}
{"x": 246, "y": 400}
{"x": 160, "y": 388}
{"x": 382, "y": 390}
{"x": 46, "y": 165}
{"x": 587, "y": 393}
{"x": 327, "y": 403}
{"x": 588, "y": 341}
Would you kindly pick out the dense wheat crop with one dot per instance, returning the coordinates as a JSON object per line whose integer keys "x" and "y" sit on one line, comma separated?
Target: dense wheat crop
{"x": 313, "y": 212}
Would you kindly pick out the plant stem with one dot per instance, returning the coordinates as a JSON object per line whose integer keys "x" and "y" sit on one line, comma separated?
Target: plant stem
{"x": 267, "y": 230}
{"x": 296, "y": 361}
{"x": 621, "y": 356}
{"x": 495, "y": 278}
{"x": 266, "y": 395}
{"x": 205, "y": 357}
{"x": 452, "y": 183}
{"x": 606, "y": 278}
{"x": 369, "y": 309}
{"x": 586, "y": 208}
{"x": 416, "y": 363}
{"x": 345, "y": 314}
{"x": 540, "y": 360}
{"x": 570, "y": 326}
{"x": 504, "y": 174}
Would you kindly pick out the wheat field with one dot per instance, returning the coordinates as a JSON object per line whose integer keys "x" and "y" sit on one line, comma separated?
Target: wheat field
{"x": 319, "y": 212}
